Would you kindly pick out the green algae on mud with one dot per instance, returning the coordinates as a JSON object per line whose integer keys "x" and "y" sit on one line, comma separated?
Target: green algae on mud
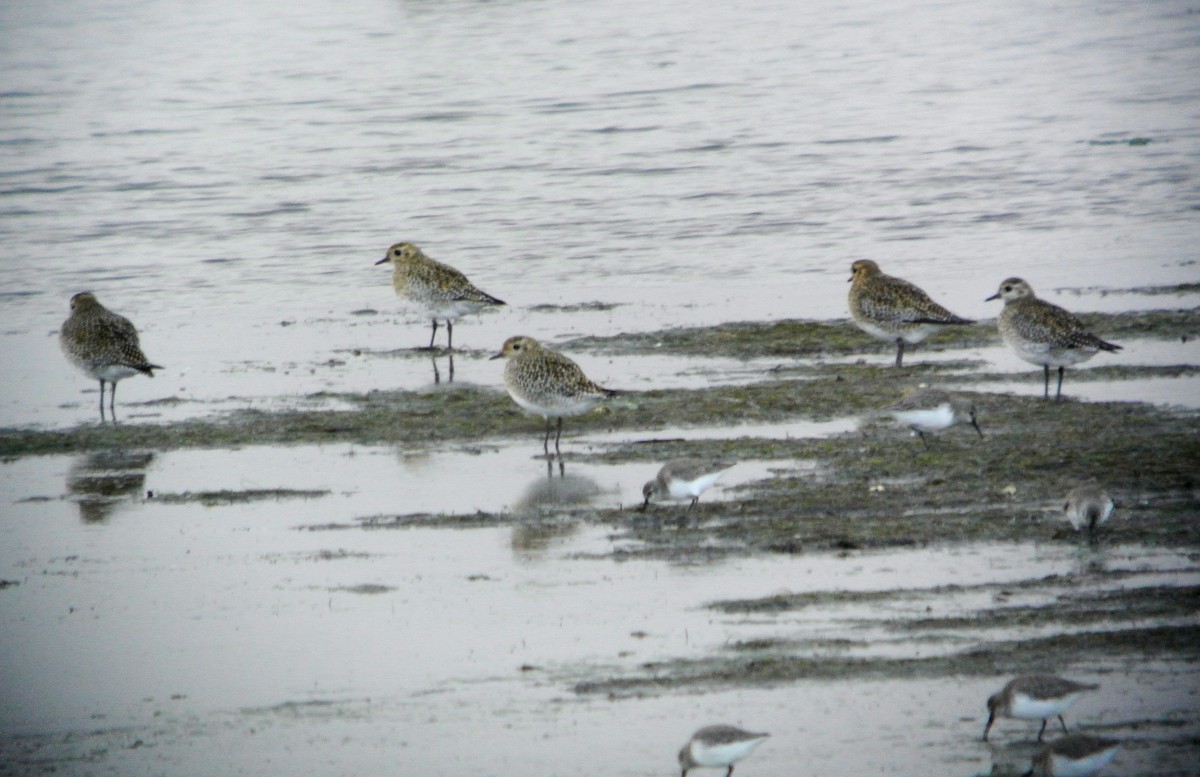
{"x": 472, "y": 413}
{"x": 798, "y": 337}
{"x": 815, "y": 391}
{"x": 880, "y": 487}
{"x": 225, "y": 497}
{"x": 775, "y": 664}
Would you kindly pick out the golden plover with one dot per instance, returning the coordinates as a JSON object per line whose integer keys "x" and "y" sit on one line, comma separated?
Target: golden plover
{"x": 548, "y": 384}
{"x": 437, "y": 289}
{"x": 684, "y": 479}
{"x": 931, "y": 410}
{"x": 103, "y": 344}
{"x": 1088, "y": 505}
{"x": 1077, "y": 755}
{"x": 1035, "y": 697}
{"x": 716, "y": 746}
{"x": 893, "y": 309}
{"x": 1043, "y": 333}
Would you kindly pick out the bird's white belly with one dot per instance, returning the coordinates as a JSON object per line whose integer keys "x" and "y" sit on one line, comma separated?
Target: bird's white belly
{"x": 1044, "y": 354}
{"x": 559, "y": 409}
{"x": 724, "y": 754}
{"x": 1037, "y": 709}
{"x": 690, "y": 489}
{"x": 912, "y": 333}
{"x": 112, "y": 372}
{"x": 927, "y": 419}
{"x": 451, "y": 310}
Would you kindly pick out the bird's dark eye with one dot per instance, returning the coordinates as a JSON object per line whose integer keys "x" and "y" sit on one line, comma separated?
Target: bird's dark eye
{"x": 1008, "y": 288}
{"x": 516, "y": 346}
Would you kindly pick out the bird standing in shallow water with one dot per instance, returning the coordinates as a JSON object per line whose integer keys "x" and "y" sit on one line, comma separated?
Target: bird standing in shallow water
{"x": 717, "y": 746}
{"x": 439, "y": 290}
{"x": 893, "y": 309}
{"x": 1035, "y": 697}
{"x": 684, "y": 479}
{"x": 548, "y": 384}
{"x": 104, "y": 345}
{"x": 1043, "y": 333}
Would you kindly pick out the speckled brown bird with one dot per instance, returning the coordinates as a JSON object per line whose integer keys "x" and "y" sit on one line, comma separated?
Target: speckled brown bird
{"x": 1042, "y": 333}
{"x": 437, "y": 289}
{"x": 548, "y": 384}
{"x": 893, "y": 309}
{"x": 103, "y": 344}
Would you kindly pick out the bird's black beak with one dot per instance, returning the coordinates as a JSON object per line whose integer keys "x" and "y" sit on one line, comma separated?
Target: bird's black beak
{"x": 994, "y": 296}
{"x": 384, "y": 259}
{"x": 496, "y": 356}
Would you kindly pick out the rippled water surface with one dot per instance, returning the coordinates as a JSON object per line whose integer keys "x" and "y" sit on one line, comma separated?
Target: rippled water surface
{"x": 226, "y": 173}
{"x": 214, "y": 172}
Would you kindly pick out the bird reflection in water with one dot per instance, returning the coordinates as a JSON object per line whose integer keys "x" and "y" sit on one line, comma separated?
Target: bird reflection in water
{"x": 99, "y": 482}
{"x": 437, "y": 375}
{"x": 540, "y": 504}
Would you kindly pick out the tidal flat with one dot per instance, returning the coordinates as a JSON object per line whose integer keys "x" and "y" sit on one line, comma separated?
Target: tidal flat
{"x": 849, "y": 560}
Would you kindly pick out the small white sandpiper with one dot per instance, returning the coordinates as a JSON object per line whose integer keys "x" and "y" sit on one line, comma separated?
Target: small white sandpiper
{"x": 929, "y": 410}
{"x": 716, "y": 746}
{"x": 1035, "y": 697}
{"x": 1088, "y": 505}
{"x": 684, "y": 479}
{"x": 1077, "y": 755}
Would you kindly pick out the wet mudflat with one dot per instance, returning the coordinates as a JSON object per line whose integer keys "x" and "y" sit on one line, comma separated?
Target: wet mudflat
{"x": 364, "y": 582}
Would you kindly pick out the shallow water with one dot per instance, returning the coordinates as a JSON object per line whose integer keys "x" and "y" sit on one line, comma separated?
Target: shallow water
{"x": 226, "y": 175}
{"x": 692, "y": 167}
{"x": 294, "y": 632}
